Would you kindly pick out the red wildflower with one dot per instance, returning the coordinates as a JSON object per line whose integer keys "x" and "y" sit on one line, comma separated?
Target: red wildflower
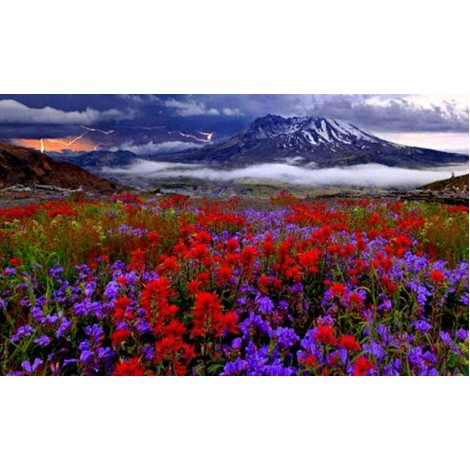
{"x": 248, "y": 255}
{"x": 132, "y": 366}
{"x": 153, "y": 237}
{"x": 232, "y": 245}
{"x": 268, "y": 246}
{"x": 155, "y": 300}
{"x": 119, "y": 336}
{"x": 169, "y": 264}
{"x": 199, "y": 251}
{"x": 204, "y": 237}
{"x": 349, "y": 342}
{"x": 263, "y": 284}
{"x": 356, "y": 300}
{"x": 224, "y": 275}
{"x": 337, "y": 289}
{"x": 437, "y": 276}
{"x": 362, "y": 366}
{"x": 309, "y": 361}
{"x": 309, "y": 260}
{"x": 325, "y": 334}
{"x": 208, "y": 318}
{"x": 193, "y": 287}
{"x": 137, "y": 260}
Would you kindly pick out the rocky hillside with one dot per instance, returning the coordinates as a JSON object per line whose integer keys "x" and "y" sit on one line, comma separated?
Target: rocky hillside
{"x": 21, "y": 166}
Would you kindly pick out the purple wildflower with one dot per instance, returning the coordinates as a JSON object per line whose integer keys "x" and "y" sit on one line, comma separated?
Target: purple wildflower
{"x": 28, "y": 368}
{"x": 23, "y": 332}
{"x": 43, "y": 341}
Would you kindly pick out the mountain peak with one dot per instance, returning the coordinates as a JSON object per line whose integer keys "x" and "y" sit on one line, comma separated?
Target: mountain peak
{"x": 312, "y": 141}
{"x": 308, "y": 131}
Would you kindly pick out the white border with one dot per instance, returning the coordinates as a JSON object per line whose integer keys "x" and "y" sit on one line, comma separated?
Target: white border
{"x": 242, "y": 47}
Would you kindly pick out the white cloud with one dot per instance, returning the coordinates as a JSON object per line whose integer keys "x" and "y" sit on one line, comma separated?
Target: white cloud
{"x": 370, "y": 175}
{"x": 445, "y": 141}
{"x": 13, "y": 112}
{"x": 231, "y": 112}
{"x": 151, "y": 148}
{"x": 198, "y": 108}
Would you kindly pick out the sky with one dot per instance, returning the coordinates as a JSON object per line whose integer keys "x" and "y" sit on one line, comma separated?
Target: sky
{"x": 149, "y": 124}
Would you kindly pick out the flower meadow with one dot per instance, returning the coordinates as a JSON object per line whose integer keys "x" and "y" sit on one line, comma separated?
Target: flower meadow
{"x": 174, "y": 286}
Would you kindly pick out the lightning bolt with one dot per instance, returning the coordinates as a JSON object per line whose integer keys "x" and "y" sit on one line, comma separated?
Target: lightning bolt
{"x": 208, "y": 136}
{"x": 91, "y": 129}
{"x": 70, "y": 142}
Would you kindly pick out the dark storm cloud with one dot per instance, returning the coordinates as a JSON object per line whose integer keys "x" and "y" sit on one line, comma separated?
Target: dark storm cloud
{"x": 31, "y": 116}
{"x": 399, "y": 113}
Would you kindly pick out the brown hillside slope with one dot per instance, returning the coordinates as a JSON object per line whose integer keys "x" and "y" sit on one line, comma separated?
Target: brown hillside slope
{"x": 458, "y": 182}
{"x": 22, "y": 166}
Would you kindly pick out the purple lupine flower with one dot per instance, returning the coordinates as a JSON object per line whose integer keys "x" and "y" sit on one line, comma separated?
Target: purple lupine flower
{"x": 422, "y": 326}
{"x": 84, "y": 345}
{"x": 86, "y": 356}
{"x": 111, "y": 290}
{"x": 23, "y": 332}
{"x": 237, "y": 367}
{"x": 95, "y": 333}
{"x": 143, "y": 327}
{"x": 429, "y": 358}
{"x": 415, "y": 356}
{"x": 43, "y": 341}
{"x": 461, "y": 334}
{"x": 147, "y": 353}
{"x": 265, "y": 305}
{"x": 375, "y": 349}
{"x": 464, "y": 299}
{"x": 394, "y": 368}
{"x": 63, "y": 328}
{"x": 36, "y": 313}
{"x": 286, "y": 337}
{"x": 28, "y": 368}
{"x": 56, "y": 272}
{"x": 89, "y": 288}
{"x": 446, "y": 339}
{"x": 70, "y": 361}
{"x": 278, "y": 370}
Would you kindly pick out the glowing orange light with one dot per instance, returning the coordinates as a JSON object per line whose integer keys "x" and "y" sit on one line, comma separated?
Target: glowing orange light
{"x": 75, "y": 144}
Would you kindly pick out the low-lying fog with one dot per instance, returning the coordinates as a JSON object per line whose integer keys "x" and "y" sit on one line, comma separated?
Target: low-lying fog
{"x": 372, "y": 175}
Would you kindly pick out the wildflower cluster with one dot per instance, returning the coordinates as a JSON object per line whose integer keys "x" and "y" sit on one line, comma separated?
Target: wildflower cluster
{"x": 168, "y": 287}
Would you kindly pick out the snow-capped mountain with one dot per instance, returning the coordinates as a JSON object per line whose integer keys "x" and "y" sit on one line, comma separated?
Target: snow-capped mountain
{"x": 312, "y": 141}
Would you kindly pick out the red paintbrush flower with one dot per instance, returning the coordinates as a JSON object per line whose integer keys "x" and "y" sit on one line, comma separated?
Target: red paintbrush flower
{"x": 132, "y": 367}
{"x": 362, "y": 366}
{"x": 325, "y": 334}
{"x": 349, "y": 342}
{"x": 437, "y": 276}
